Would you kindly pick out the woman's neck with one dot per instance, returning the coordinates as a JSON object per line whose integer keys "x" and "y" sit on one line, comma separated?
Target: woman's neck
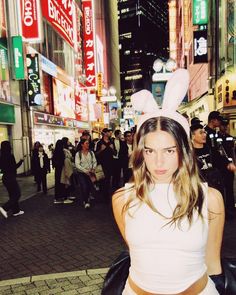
{"x": 198, "y": 145}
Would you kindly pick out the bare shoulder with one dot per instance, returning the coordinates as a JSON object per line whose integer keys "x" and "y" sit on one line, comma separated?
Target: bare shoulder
{"x": 215, "y": 201}
{"x": 120, "y": 197}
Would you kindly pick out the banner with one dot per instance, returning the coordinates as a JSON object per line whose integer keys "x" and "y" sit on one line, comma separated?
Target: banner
{"x": 89, "y": 53}
{"x": 61, "y": 15}
{"x": 34, "y": 83}
{"x": 18, "y": 58}
{"x": 30, "y": 20}
{"x": 200, "y": 12}
{"x": 200, "y": 47}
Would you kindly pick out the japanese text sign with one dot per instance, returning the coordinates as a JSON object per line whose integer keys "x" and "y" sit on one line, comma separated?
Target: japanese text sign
{"x": 61, "y": 14}
{"x": 89, "y": 55}
{"x": 200, "y": 12}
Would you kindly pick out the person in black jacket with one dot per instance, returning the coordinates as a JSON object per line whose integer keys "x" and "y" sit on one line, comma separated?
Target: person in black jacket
{"x": 8, "y": 167}
{"x": 40, "y": 168}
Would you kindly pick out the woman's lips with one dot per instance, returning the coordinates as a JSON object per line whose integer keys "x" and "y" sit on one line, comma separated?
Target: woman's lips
{"x": 160, "y": 171}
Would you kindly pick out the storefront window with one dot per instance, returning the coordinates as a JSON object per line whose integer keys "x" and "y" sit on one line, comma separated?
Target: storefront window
{"x": 59, "y": 51}
{"x": 227, "y": 35}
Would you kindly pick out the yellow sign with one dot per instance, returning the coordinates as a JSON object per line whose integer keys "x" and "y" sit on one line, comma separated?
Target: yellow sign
{"x": 99, "y": 84}
{"x": 225, "y": 90}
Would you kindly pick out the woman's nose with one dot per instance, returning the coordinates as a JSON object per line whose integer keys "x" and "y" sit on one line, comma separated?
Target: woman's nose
{"x": 159, "y": 158}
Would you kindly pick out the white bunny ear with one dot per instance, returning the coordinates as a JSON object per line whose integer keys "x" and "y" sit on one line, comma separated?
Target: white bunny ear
{"x": 176, "y": 89}
{"x": 143, "y": 101}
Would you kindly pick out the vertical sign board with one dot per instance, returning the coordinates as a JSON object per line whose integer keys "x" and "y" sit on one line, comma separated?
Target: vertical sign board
{"x": 99, "y": 84}
{"x": 61, "y": 15}
{"x": 89, "y": 46}
{"x": 4, "y": 71}
{"x": 200, "y": 47}
{"x": 34, "y": 89}
{"x": 30, "y": 20}
{"x": 18, "y": 58}
{"x": 200, "y": 12}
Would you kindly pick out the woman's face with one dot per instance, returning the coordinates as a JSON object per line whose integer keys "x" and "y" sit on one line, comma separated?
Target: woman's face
{"x": 161, "y": 156}
{"x": 85, "y": 145}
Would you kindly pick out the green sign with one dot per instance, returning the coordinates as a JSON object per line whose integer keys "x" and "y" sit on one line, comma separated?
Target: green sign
{"x": 7, "y": 113}
{"x": 4, "y": 71}
{"x": 18, "y": 58}
{"x": 200, "y": 12}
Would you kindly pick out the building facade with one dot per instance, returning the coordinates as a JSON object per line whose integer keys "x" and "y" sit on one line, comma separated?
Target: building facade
{"x": 139, "y": 49}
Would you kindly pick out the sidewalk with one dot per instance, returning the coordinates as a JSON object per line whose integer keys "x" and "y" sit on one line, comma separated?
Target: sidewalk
{"x": 62, "y": 249}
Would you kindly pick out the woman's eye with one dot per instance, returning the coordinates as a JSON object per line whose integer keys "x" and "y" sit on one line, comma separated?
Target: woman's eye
{"x": 170, "y": 152}
{"x": 148, "y": 151}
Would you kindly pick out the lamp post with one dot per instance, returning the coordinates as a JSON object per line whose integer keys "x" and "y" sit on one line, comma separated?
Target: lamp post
{"x": 162, "y": 73}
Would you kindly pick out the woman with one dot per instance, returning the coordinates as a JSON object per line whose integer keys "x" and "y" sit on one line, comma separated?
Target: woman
{"x": 171, "y": 221}
{"x": 85, "y": 162}
{"x": 8, "y": 167}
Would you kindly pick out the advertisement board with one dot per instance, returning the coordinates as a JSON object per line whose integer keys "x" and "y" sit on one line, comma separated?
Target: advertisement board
{"x": 89, "y": 46}
{"x": 18, "y": 58}
{"x": 2, "y": 19}
{"x": 81, "y": 105}
{"x": 61, "y": 15}
{"x": 63, "y": 99}
{"x": 200, "y": 12}
{"x": 200, "y": 47}
{"x": 30, "y": 20}
{"x": 33, "y": 82}
{"x": 4, "y": 71}
{"x": 158, "y": 89}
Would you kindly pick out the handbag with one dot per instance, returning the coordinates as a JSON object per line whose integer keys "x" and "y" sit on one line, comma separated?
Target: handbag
{"x": 99, "y": 172}
{"x": 117, "y": 275}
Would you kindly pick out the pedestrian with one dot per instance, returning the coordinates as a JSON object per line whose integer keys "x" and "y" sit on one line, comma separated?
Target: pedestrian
{"x": 58, "y": 159}
{"x": 171, "y": 221}
{"x": 119, "y": 159}
{"x": 104, "y": 154}
{"x": 129, "y": 149}
{"x": 226, "y": 146}
{"x": 8, "y": 168}
{"x": 85, "y": 162}
{"x": 40, "y": 168}
{"x": 206, "y": 161}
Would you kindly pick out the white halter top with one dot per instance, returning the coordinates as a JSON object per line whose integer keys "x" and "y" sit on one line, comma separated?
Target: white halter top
{"x": 165, "y": 259}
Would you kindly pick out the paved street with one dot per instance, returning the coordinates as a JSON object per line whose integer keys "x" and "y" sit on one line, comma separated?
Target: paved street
{"x": 62, "y": 249}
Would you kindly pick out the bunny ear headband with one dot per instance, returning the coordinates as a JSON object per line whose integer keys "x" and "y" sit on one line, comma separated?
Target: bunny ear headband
{"x": 175, "y": 90}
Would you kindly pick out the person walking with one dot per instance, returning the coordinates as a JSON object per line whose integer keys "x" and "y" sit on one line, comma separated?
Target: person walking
{"x": 128, "y": 136}
{"x": 58, "y": 159}
{"x": 171, "y": 221}
{"x": 8, "y": 168}
{"x": 85, "y": 162}
{"x": 40, "y": 168}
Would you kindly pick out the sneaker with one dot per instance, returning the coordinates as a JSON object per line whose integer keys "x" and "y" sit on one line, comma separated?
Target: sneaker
{"x": 58, "y": 201}
{"x": 86, "y": 206}
{"x": 19, "y": 213}
{"x": 4, "y": 212}
{"x": 67, "y": 201}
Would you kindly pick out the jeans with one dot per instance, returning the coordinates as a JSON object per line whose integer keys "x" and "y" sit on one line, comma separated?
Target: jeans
{"x": 86, "y": 186}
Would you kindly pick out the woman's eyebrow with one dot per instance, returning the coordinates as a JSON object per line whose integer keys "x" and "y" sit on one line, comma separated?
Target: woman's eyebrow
{"x": 167, "y": 148}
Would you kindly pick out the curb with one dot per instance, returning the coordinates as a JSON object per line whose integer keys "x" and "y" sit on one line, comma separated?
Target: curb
{"x": 60, "y": 275}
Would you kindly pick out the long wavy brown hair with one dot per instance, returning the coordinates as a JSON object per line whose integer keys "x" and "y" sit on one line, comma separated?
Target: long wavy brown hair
{"x": 186, "y": 182}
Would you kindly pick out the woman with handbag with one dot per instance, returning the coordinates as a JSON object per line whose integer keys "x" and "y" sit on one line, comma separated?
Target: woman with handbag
{"x": 171, "y": 221}
{"x": 85, "y": 162}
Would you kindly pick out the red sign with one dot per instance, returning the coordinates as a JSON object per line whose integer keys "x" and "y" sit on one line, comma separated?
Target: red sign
{"x": 30, "y": 21}
{"x": 89, "y": 55}
{"x": 61, "y": 14}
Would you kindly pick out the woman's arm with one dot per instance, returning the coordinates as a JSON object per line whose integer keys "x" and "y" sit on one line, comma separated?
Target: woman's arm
{"x": 216, "y": 215}
{"x": 118, "y": 202}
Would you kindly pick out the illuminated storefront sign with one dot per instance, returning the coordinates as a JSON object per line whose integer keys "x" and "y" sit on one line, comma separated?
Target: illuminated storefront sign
{"x": 30, "y": 20}
{"x": 63, "y": 99}
{"x": 61, "y": 14}
{"x": 18, "y": 58}
{"x": 81, "y": 105}
{"x": 200, "y": 12}
{"x": 225, "y": 90}
{"x": 34, "y": 84}
{"x": 200, "y": 47}
{"x": 89, "y": 55}
{"x": 99, "y": 83}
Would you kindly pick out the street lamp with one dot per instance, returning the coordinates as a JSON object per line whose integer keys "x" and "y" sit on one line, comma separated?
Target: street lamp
{"x": 163, "y": 70}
